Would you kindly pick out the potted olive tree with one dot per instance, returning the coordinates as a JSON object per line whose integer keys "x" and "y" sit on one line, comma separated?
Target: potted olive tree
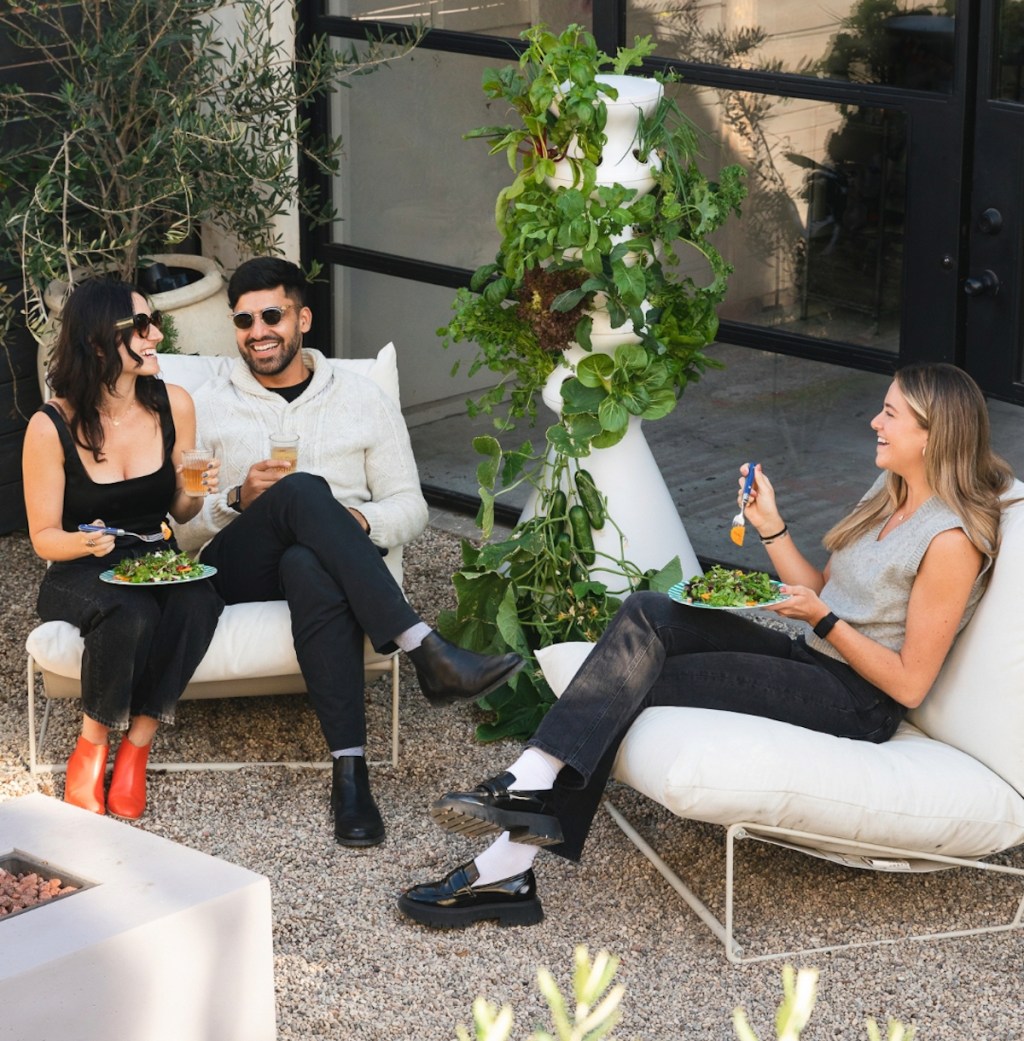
{"x": 154, "y": 119}
{"x": 600, "y": 301}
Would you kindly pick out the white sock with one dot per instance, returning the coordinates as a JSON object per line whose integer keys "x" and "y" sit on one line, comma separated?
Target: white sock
{"x": 348, "y": 751}
{"x": 535, "y": 771}
{"x": 412, "y": 638}
{"x": 503, "y": 859}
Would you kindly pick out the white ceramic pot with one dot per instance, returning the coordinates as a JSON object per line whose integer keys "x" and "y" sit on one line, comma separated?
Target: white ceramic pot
{"x": 619, "y": 164}
{"x": 200, "y": 310}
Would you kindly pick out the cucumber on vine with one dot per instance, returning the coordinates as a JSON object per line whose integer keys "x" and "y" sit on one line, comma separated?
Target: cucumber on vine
{"x": 591, "y": 499}
{"x": 582, "y": 535}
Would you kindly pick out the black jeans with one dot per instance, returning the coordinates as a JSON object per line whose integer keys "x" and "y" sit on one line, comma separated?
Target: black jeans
{"x": 658, "y": 652}
{"x": 142, "y": 643}
{"x": 296, "y": 542}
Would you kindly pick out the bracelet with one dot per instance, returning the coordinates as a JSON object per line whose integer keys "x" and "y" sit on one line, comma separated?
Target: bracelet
{"x": 825, "y": 625}
{"x": 767, "y": 540}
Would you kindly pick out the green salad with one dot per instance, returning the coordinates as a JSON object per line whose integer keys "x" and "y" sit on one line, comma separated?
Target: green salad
{"x": 165, "y": 565}
{"x": 724, "y": 587}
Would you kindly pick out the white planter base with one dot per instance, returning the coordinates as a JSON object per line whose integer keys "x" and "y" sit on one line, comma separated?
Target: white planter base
{"x": 640, "y": 504}
{"x": 169, "y": 944}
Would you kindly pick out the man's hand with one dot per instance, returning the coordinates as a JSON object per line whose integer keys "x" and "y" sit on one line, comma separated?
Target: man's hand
{"x": 261, "y": 476}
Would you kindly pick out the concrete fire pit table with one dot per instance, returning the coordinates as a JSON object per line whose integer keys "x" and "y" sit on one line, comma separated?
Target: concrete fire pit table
{"x": 164, "y": 944}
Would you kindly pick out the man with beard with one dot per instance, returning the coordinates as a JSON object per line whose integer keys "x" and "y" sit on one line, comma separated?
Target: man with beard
{"x": 316, "y": 538}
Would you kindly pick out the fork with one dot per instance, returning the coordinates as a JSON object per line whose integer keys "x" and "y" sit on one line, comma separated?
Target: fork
{"x": 96, "y": 528}
{"x": 739, "y": 522}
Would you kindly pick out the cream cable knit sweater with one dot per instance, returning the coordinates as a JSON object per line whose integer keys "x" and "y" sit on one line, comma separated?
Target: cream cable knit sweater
{"x": 351, "y": 433}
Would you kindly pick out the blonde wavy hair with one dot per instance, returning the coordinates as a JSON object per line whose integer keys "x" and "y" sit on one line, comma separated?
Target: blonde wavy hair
{"x": 961, "y": 468}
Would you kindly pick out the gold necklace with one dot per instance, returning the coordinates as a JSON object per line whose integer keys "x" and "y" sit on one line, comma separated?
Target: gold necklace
{"x": 110, "y": 415}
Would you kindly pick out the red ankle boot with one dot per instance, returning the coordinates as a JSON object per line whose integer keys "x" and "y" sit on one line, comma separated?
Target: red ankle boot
{"x": 83, "y": 783}
{"x": 127, "y": 795}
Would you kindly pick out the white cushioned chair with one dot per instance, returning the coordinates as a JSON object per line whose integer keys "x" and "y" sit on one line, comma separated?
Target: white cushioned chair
{"x": 947, "y": 790}
{"x": 252, "y": 651}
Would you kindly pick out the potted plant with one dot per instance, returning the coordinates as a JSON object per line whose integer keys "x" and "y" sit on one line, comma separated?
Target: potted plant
{"x": 586, "y": 306}
{"x": 158, "y": 118}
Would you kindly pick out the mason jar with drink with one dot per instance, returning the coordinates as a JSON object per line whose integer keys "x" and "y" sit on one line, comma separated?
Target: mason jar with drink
{"x": 284, "y": 446}
{"x": 194, "y": 464}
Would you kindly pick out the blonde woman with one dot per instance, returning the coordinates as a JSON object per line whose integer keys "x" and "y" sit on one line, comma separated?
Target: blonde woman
{"x": 106, "y": 450}
{"x": 906, "y": 571}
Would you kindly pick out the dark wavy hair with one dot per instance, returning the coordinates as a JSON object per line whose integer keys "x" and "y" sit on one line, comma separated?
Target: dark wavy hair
{"x": 86, "y": 359}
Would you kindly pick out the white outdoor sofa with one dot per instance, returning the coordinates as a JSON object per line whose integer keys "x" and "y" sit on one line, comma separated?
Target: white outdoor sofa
{"x": 947, "y": 790}
{"x": 252, "y": 651}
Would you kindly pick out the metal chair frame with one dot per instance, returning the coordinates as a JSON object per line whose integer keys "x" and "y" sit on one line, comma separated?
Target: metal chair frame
{"x": 889, "y": 859}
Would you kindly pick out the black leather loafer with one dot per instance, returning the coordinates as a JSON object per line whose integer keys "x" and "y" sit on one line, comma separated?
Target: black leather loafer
{"x": 453, "y": 903}
{"x": 491, "y": 808}
{"x": 447, "y": 673}
{"x": 357, "y": 821}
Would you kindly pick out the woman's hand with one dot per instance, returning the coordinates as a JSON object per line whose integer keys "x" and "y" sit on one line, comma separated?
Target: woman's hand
{"x": 762, "y": 511}
{"x": 803, "y": 604}
{"x": 95, "y": 543}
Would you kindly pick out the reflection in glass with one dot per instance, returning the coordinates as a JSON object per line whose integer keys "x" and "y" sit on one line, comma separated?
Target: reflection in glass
{"x": 1010, "y": 49}
{"x": 409, "y": 184}
{"x": 902, "y": 43}
{"x": 818, "y": 250}
{"x": 488, "y": 17}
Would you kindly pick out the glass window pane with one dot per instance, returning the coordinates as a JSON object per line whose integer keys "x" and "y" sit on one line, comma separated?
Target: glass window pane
{"x": 409, "y": 184}
{"x": 370, "y": 310}
{"x": 903, "y": 44}
{"x": 818, "y": 250}
{"x": 489, "y": 17}
{"x": 1010, "y": 49}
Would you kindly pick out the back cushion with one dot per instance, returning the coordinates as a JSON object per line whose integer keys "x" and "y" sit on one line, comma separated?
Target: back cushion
{"x": 977, "y": 703}
{"x": 191, "y": 371}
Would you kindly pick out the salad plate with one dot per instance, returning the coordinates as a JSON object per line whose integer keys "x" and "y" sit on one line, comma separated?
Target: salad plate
{"x": 724, "y": 589}
{"x": 163, "y": 568}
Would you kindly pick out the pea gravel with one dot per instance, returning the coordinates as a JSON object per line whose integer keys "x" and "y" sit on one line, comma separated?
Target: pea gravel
{"x": 349, "y": 967}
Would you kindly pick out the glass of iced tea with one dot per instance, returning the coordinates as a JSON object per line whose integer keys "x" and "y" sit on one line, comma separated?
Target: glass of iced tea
{"x": 285, "y": 446}
{"x": 194, "y": 464}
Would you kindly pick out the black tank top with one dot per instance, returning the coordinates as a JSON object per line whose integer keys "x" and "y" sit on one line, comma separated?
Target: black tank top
{"x": 137, "y": 504}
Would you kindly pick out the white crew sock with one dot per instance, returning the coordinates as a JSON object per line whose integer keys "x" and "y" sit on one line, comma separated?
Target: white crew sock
{"x": 503, "y": 859}
{"x": 535, "y": 771}
{"x": 412, "y": 638}
{"x": 348, "y": 751}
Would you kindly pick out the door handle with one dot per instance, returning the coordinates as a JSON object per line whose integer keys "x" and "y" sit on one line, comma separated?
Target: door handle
{"x": 987, "y": 283}
{"x": 990, "y": 222}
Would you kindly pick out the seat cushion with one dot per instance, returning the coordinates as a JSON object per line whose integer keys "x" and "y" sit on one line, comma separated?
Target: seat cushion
{"x": 912, "y": 792}
{"x": 252, "y": 641}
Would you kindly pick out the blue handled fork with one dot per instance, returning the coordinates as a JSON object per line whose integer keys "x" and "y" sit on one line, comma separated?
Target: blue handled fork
{"x": 99, "y": 530}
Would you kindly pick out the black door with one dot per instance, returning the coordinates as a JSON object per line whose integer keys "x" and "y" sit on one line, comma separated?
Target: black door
{"x": 994, "y": 221}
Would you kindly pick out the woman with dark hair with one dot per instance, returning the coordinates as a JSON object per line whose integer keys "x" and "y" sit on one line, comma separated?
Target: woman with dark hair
{"x": 906, "y": 571}
{"x": 106, "y": 450}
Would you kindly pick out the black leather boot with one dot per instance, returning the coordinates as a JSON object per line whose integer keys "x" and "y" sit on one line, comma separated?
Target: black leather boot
{"x": 448, "y": 673}
{"x": 357, "y": 821}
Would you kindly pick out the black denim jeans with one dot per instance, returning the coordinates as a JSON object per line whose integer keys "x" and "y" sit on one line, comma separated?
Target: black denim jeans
{"x": 296, "y": 542}
{"x": 142, "y": 643}
{"x": 658, "y": 652}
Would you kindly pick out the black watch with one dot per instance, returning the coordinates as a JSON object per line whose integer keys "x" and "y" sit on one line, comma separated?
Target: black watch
{"x": 234, "y": 499}
{"x": 825, "y": 625}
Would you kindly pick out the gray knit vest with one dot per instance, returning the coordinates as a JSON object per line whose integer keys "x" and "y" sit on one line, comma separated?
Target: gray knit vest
{"x": 870, "y": 580}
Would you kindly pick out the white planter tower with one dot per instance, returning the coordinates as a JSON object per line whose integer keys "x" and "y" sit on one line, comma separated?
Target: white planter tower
{"x": 639, "y": 502}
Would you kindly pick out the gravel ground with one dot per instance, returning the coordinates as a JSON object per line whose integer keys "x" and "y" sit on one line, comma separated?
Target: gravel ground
{"x": 348, "y": 966}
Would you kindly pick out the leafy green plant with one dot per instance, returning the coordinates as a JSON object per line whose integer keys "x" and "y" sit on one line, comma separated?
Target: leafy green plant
{"x": 571, "y": 248}
{"x": 152, "y": 121}
{"x": 599, "y": 245}
{"x": 540, "y": 585}
{"x": 598, "y": 1007}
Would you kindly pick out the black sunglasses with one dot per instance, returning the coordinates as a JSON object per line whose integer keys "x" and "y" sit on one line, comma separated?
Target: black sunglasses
{"x": 141, "y": 322}
{"x": 269, "y": 316}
